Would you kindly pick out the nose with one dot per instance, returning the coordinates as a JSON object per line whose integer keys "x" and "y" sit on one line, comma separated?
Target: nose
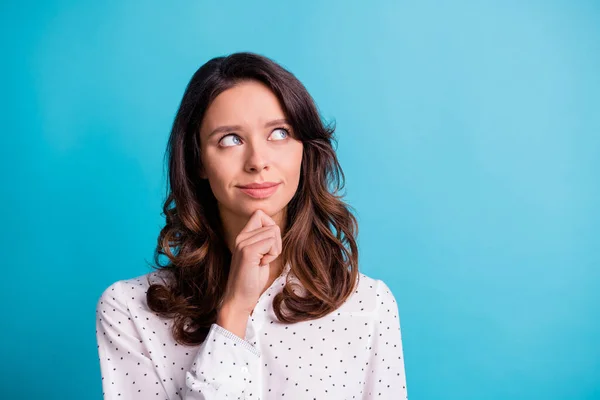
{"x": 257, "y": 158}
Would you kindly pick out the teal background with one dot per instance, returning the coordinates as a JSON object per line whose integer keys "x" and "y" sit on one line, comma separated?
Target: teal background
{"x": 469, "y": 133}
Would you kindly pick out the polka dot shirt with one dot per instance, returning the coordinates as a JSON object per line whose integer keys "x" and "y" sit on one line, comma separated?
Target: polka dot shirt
{"x": 354, "y": 352}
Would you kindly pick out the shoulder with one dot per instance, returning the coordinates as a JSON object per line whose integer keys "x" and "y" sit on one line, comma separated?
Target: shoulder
{"x": 370, "y": 295}
{"x": 383, "y": 306}
{"x": 128, "y": 293}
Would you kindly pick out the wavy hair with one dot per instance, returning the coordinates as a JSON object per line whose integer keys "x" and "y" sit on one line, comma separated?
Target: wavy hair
{"x": 320, "y": 238}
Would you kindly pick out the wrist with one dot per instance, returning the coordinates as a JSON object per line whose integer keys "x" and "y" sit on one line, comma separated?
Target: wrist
{"x": 231, "y": 307}
{"x": 233, "y": 319}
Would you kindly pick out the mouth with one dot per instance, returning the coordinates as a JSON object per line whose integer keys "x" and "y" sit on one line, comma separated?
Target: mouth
{"x": 260, "y": 192}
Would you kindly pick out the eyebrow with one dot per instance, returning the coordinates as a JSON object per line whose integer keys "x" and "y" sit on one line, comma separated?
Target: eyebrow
{"x": 229, "y": 128}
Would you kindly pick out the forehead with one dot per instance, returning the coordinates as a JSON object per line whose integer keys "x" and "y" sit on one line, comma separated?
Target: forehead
{"x": 247, "y": 103}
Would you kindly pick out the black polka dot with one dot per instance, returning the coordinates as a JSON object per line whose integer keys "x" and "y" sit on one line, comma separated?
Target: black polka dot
{"x": 320, "y": 357}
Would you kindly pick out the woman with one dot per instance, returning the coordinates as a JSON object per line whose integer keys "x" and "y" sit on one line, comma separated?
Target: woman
{"x": 260, "y": 296}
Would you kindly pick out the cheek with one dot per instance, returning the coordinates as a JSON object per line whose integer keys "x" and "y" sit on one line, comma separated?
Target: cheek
{"x": 293, "y": 167}
{"x": 216, "y": 166}
{"x": 297, "y": 160}
{"x": 219, "y": 175}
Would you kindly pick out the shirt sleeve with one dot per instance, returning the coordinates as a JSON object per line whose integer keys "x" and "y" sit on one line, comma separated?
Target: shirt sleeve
{"x": 223, "y": 365}
{"x": 386, "y": 378}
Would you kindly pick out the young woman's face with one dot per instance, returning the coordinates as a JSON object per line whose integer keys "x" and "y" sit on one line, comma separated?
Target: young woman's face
{"x": 245, "y": 139}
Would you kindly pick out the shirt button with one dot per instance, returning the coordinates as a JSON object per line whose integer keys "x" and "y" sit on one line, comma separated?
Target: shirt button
{"x": 244, "y": 369}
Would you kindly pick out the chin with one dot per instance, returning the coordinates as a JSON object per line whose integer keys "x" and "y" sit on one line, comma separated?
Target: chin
{"x": 270, "y": 207}
{"x": 265, "y": 206}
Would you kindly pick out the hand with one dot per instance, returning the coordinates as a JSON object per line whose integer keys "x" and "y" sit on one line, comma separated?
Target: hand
{"x": 257, "y": 245}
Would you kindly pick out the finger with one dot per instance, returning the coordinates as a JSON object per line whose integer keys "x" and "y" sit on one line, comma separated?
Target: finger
{"x": 266, "y": 260}
{"x": 258, "y": 219}
{"x": 264, "y": 249}
{"x": 245, "y": 235}
{"x": 253, "y": 223}
{"x": 257, "y": 237}
{"x": 279, "y": 240}
{"x": 277, "y": 232}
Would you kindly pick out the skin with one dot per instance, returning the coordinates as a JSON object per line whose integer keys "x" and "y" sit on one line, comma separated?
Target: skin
{"x": 253, "y": 152}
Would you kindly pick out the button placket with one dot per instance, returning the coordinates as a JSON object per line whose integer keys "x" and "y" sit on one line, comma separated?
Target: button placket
{"x": 266, "y": 298}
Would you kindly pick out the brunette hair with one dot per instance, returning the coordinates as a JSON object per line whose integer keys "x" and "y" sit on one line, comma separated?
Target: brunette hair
{"x": 319, "y": 241}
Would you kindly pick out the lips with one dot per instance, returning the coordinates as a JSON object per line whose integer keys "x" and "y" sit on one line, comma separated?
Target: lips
{"x": 262, "y": 185}
{"x": 261, "y": 192}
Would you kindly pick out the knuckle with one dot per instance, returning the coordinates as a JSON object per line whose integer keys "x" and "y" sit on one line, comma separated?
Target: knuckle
{"x": 238, "y": 244}
{"x": 244, "y": 250}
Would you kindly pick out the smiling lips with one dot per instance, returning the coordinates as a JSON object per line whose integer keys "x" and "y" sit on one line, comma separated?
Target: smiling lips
{"x": 260, "y": 190}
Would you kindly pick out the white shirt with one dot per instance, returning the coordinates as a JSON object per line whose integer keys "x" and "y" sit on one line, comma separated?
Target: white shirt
{"x": 355, "y": 352}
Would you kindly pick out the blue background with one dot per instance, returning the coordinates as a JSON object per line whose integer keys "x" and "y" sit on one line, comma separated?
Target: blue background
{"x": 469, "y": 132}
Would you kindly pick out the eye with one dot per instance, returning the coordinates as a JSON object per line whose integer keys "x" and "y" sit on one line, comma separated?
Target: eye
{"x": 287, "y": 133}
{"x": 233, "y": 135}
{"x": 281, "y": 131}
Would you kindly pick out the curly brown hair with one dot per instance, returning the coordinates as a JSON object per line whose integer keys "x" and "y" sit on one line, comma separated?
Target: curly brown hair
{"x": 319, "y": 242}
